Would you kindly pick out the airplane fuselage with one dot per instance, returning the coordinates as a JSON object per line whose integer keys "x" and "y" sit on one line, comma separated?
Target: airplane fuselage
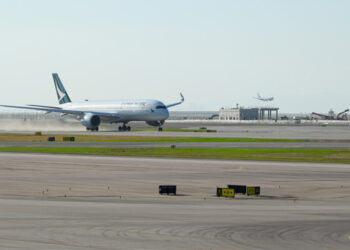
{"x": 265, "y": 99}
{"x": 127, "y": 110}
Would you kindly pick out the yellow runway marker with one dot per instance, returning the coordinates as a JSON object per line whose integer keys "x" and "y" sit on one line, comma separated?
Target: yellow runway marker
{"x": 349, "y": 237}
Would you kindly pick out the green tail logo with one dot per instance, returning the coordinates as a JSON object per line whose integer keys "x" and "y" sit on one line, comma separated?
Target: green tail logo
{"x": 62, "y": 94}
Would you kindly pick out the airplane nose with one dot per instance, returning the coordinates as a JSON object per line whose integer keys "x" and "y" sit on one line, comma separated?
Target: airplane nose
{"x": 166, "y": 114}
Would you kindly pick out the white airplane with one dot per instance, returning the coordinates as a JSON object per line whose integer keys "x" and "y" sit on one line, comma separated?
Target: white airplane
{"x": 93, "y": 113}
{"x": 267, "y": 99}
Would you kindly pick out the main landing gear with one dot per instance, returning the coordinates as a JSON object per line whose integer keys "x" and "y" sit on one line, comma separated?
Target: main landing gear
{"x": 160, "y": 129}
{"x": 124, "y": 128}
{"x": 92, "y": 129}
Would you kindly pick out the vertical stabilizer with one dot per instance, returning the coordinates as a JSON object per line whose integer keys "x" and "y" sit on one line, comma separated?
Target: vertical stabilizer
{"x": 62, "y": 94}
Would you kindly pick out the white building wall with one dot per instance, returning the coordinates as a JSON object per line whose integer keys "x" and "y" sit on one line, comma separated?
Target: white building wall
{"x": 229, "y": 114}
{"x": 239, "y": 114}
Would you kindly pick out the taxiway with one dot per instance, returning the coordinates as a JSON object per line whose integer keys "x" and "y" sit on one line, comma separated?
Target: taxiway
{"x": 77, "y": 202}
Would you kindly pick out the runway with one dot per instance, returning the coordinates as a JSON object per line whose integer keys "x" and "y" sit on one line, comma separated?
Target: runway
{"x": 76, "y": 202}
{"x": 223, "y": 131}
{"x": 266, "y": 145}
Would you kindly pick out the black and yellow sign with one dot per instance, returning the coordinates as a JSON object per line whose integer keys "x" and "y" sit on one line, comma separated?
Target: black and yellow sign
{"x": 225, "y": 192}
{"x": 253, "y": 190}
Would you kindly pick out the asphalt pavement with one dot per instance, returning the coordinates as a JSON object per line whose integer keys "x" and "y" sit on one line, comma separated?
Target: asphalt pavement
{"x": 80, "y": 202}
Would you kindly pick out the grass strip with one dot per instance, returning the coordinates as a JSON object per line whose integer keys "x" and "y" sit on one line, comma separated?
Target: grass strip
{"x": 290, "y": 155}
{"x": 200, "y": 130}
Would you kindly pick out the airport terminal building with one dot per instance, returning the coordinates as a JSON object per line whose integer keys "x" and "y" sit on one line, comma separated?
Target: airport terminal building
{"x": 241, "y": 113}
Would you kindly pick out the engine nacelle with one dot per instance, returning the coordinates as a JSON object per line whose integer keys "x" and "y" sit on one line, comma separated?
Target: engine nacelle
{"x": 91, "y": 121}
{"x": 155, "y": 123}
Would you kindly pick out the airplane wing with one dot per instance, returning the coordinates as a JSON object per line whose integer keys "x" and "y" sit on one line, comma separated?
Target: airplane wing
{"x": 177, "y": 103}
{"x": 64, "y": 111}
{"x": 42, "y": 106}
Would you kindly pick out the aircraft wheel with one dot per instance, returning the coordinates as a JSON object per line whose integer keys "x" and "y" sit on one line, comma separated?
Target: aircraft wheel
{"x": 160, "y": 129}
{"x": 128, "y": 128}
{"x": 124, "y": 128}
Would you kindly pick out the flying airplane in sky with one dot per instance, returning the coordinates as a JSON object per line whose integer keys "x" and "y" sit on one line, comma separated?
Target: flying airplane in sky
{"x": 93, "y": 113}
{"x": 264, "y": 99}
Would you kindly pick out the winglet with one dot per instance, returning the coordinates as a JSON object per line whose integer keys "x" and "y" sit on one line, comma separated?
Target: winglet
{"x": 177, "y": 103}
{"x": 182, "y": 97}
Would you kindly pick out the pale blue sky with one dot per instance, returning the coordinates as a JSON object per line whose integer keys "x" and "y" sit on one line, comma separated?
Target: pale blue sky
{"x": 218, "y": 53}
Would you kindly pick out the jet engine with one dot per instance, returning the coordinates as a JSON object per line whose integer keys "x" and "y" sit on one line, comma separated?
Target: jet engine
{"x": 91, "y": 121}
{"x": 155, "y": 123}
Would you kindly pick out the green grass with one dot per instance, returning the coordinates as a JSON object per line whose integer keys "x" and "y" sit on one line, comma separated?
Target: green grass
{"x": 200, "y": 130}
{"x": 196, "y": 139}
{"x": 292, "y": 155}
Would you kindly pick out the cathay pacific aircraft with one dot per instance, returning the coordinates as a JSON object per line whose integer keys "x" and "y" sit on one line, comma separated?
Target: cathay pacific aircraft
{"x": 93, "y": 113}
{"x": 264, "y": 99}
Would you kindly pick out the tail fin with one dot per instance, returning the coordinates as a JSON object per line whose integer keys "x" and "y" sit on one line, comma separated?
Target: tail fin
{"x": 62, "y": 94}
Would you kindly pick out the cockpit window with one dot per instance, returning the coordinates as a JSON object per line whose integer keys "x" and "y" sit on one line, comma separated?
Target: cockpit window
{"x": 160, "y": 107}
